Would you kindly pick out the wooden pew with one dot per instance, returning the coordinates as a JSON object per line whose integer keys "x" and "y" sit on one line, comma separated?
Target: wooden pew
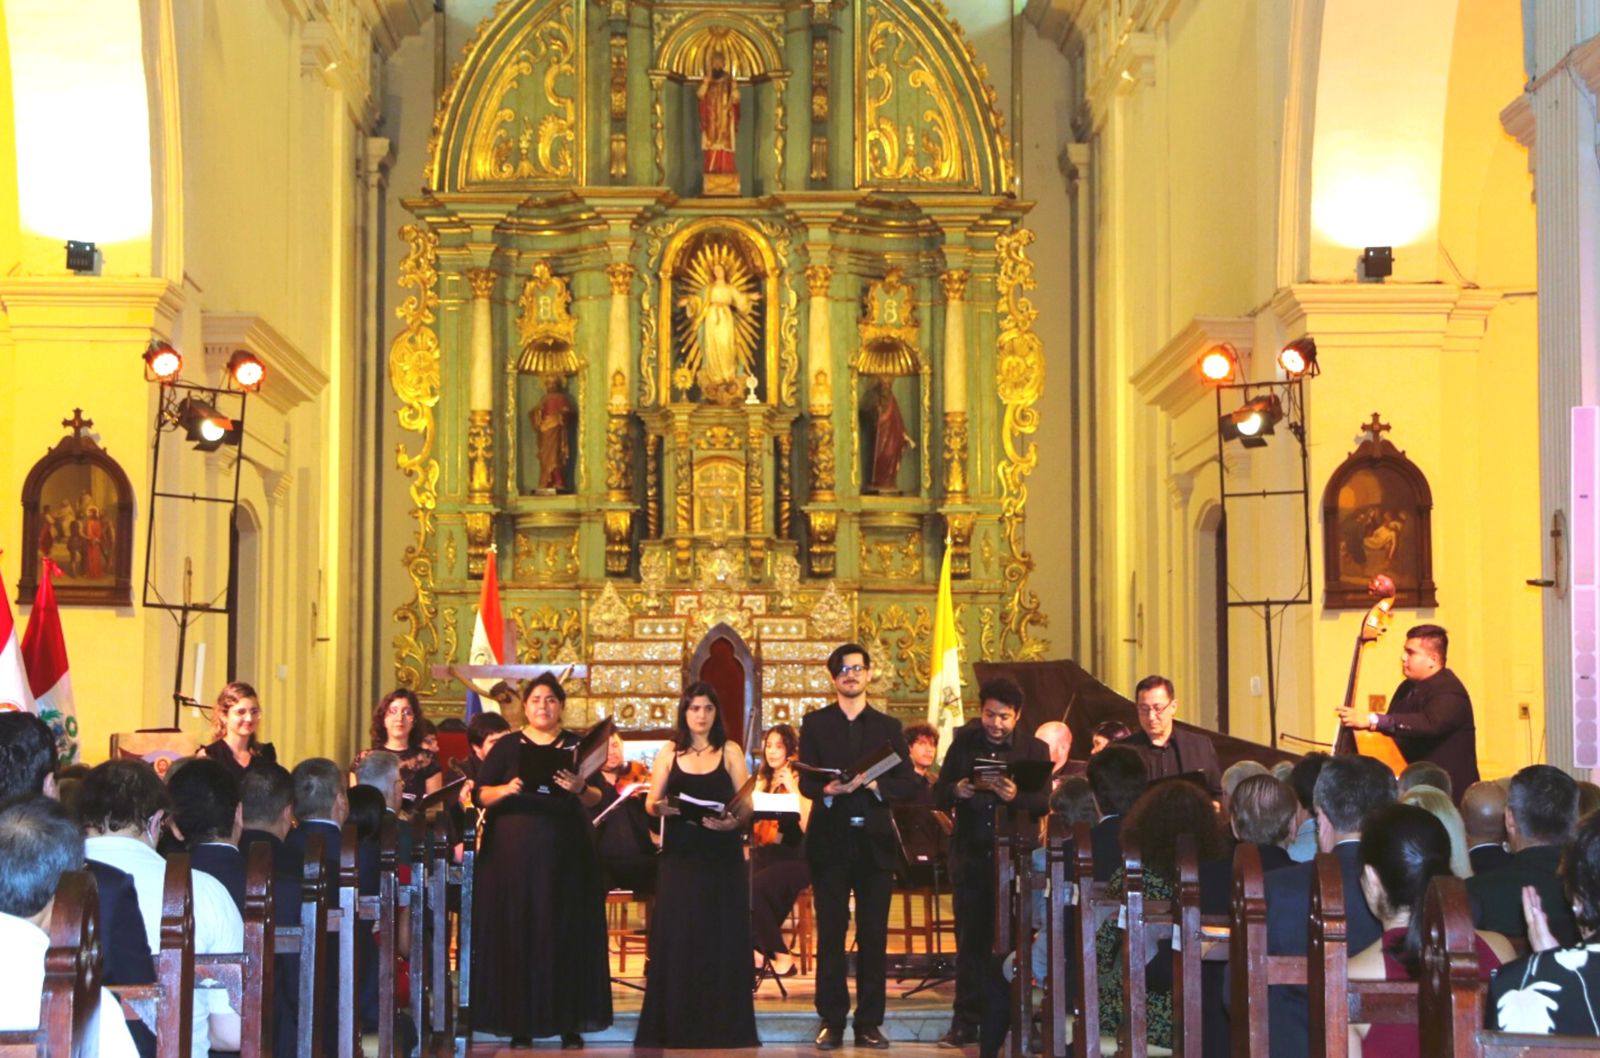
{"x": 460, "y": 876}
{"x": 307, "y": 939}
{"x": 248, "y": 975}
{"x": 412, "y": 895}
{"x": 381, "y": 911}
{"x": 440, "y": 1008}
{"x": 1059, "y": 899}
{"x": 168, "y": 1005}
{"x": 71, "y": 993}
{"x": 1334, "y": 1001}
{"x": 1184, "y": 915}
{"x": 343, "y": 922}
{"x": 1253, "y": 970}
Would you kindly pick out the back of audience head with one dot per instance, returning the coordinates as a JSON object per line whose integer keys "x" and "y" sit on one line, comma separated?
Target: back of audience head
{"x": 123, "y": 798}
{"x": 27, "y": 756}
{"x": 1117, "y": 777}
{"x": 1283, "y": 771}
{"x": 366, "y": 811}
{"x": 484, "y": 730}
{"x": 1237, "y": 773}
{"x": 1437, "y": 804}
{"x": 1588, "y": 798}
{"x": 1163, "y": 813}
{"x": 1483, "y": 813}
{"x": 1105, "y": 733}
{"x": 380, "y": 770}
{"x": 1058, "y": 737}
{"x": 1303, "y": 777}
{"x": 266, "y": 797}
{"x": 1347, "y": 790}
{"x": 205, "y": 803}
{"x": 1580, "y": 869}
{"x": 1541, "y": 807}
{"x": 1425, "y": 773}
{"x": 1072, "y": 801}
{"x": 1263, "y": 810}
{"x": 38, "y": 843}
{"x": 320, "y": 791}
{"x": 1403, "y": 848}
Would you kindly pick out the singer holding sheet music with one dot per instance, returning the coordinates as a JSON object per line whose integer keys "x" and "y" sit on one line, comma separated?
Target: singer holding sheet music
{"x": 697, "y": 984}
{"x": 777, "y": 859}
{"x": 850, "y": 844}
{"x": 540, "y": 966}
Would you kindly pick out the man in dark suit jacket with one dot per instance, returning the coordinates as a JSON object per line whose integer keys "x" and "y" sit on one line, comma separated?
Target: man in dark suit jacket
{"x": 1116, "y": 779}
{"x": 320, "y": 807}
{"x": 977, "y": 804}
{"x": 1541, "y": 817}
{"x": 266, "y": 809}
{"x": 1483, "y": 810}
{"x": 1430, "y": 715}
{"x": 851, "y": 845}
{"x": 1168, "y": 751}
{"x": 206, "y": 815}
{"x": 1348, "y": 788}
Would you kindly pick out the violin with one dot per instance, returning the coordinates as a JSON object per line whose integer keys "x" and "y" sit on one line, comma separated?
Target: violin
{"x": 1349, "y": 740}
{"x": 768, "y": 831}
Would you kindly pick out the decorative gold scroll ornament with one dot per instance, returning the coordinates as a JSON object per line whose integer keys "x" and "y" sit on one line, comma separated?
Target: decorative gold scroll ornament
{"x": 531, "y": 151}
{"x": 927, "y": 150}
{"x": 889, "y": 329}
{"x": 1020, "y": 382}
{"x": 414, "y": 374}
{"x": 546, "y": 328}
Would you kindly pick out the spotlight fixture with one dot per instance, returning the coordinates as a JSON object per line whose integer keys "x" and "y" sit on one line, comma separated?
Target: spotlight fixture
{"x": 1377, "y": 263}
{"x": 1252, "y": 423}
{"x": 161, "y": 362}
{"x": 1219, "y": 364}
{"x": 80, "y": 256}
{"x": 1299, "y": 358}
{"x": 246, "y": 371}
{"x": 208, "y": 428}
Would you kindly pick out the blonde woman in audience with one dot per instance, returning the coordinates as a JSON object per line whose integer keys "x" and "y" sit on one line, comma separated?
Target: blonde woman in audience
{"x": 1437, "y": 803}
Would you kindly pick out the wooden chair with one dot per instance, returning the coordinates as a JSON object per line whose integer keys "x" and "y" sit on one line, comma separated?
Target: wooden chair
{"x": 412, "y": 897}
{"x": 1334, "y": 1001}
{"x": 441, "y": 1012}
{"x": 71, "y": 992}
{"x": 1253, "y": 970}
{"x": 1015, "y": 883}
{"x": 620, "y": 929}
{"x": 1092, "y": 908}
{"x": 168, "y": 1005}
{"x": 307, "y": 940}
{"x": 248, "y": 976}
{"x": 380, "y": 910}
{"x": 802, "y": 929}
{"x": 1059, "y": 899}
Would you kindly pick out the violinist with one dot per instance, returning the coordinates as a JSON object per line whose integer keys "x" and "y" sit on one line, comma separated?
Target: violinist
{"x": 778, "y": 862}
{"x": 624, "y": 838}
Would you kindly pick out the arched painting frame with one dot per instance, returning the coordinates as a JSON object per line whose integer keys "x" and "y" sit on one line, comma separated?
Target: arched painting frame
{"x": 77, "y": 507}
{"x": 1377, "y": 518}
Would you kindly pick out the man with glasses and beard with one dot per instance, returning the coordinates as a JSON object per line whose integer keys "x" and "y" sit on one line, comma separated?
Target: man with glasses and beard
{"x": 1166, "y": 750}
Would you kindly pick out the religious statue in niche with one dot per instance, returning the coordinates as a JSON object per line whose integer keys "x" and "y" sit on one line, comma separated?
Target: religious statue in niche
{"x": 719, "y": 323}
{"x": 718, "y": 102}
{"x": 553, "y": 418}
{"x": 889, "y": 349}
{"x": 1376, "y": 513}
{"x": 77, "y": 511}
{"x": 889, "y": 437}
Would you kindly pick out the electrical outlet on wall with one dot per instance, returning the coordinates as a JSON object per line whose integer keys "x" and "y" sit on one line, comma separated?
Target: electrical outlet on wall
{"x": 1377, "y": 703}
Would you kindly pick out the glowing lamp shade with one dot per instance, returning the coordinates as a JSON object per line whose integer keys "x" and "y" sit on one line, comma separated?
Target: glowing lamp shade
{"x": 204, "y": 425}
{"x": 246, "y": 371}
{"x": 1299, "y": 358}
{"x": 161, "y": 362}
{"x": 1219, "y": 364}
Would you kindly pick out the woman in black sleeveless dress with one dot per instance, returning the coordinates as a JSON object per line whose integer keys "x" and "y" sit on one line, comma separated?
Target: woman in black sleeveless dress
{"x": 697, "y": 987}
{"x": 539, "y": 966}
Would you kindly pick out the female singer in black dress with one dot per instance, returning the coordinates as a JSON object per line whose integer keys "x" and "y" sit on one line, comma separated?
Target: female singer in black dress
{"x": 396, "y": 727}
{"x": 697, "y": 986}
{"x": 540, "y": 966}
{"x": 234, "y": 721}
{"x": 778, "y": 861}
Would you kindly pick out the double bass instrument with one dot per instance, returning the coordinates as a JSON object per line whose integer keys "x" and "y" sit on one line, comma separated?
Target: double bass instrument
{"x": 1348, "y": 740}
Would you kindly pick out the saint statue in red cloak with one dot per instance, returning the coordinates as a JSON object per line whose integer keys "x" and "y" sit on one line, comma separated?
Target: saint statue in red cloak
{"x": 719, "y": 116}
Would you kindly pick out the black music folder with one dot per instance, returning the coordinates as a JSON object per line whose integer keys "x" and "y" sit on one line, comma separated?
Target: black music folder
{"x": 1029, "y": 775}
{"x": 593, "y": 748}
{"x": 538, "y": 765}
{"x": 863, "y": 771}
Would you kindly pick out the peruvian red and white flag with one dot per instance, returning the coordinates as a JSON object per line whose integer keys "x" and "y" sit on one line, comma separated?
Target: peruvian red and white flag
{"x": 14, "y": 692}
{"x": 488, "y": 640}
{"x": 44, "y": 653}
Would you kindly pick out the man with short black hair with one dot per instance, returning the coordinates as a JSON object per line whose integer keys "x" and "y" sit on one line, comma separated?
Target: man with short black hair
{"x": 1303, "y": 777}
{"x": 1166, "y": 750}
{"x": 922, "y": 739}
{"x": 1541, "y": 816}
{"x": 39, "y": 843}
{"x": 206, "y": 815}
{"x": 320, "y": 807}
{"x": 1117, "y": 777}
{"x": 1483, "y": 811}
{"x": 266, "y": 809}
{"x": 1430, "y": 714}
{"x": 976, "y": 803}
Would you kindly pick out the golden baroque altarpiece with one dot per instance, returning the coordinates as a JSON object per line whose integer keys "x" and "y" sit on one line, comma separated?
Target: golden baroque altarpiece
{"x": 716, "y": 315}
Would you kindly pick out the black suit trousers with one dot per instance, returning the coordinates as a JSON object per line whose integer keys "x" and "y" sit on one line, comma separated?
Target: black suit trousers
{"x": 974, "y": 907}
{"x": 832, "y": 882}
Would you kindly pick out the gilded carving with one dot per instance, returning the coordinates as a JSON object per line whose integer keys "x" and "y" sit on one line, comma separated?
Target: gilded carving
{"x": 544, "y": 150}
{"x": 889, "y": 343}
{"x": 822, "y": 458}
{"x": 414, "y": 375}
{"x": 830, "y": 615}
{"x": 719, "y": 490}
{"x": 658, "y": 125}
{"x": 480, "y": 455}
{"x": 789, "y": 322}
{"x": 545, "y": 326}
{"x": 906, "y": 633}
{"x": 608, "y": 614}
{"x": 1020, "y": 382}
{"x": 619, "y": 540}
{"x": 683, "y": 489}
{"x": 818, "y": 279}
{"x": 543, "y": 632}
{"x": 655, "y": 244}
{"x": 785, "y": 483}
{"x": 780, "y": 127}
{"x": 721, "y": 437}
{"x": 619, "y": 458}
{"x": 988, "y": 633}
{"x": 652, "y": 485}
{"x": 449, "y": 551}
{"x": 619, "y": 106}
{"x": 819, "y": 107}
{"x": 786, "y": 580}
{"x": 824, "y": 530}
{"x": 480, "y": 533}
{"x": 955, "y": 456}
{"x": 755, "y": 478}
{"x": 960, "y": 526}
{"x": 548, "y": 559}
{"x": 653, "y": 569}
{"x": 891, "y": 559}
{"x": 927, "y": 150}
{"x": 620, "y": 276}
{"x": 954, "y": 283}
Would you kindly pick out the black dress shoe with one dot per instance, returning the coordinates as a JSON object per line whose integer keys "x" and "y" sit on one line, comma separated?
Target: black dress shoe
{"x": 957, "y": 1038}
{"x": 871, "y": 1036}
{"x": 830, "y": 1038}
{"x": 571, "y": 1041}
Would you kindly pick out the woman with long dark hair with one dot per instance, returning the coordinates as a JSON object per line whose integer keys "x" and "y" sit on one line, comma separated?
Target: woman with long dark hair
{"x": 539, "y": 961}
{"x": 395, "y": 727}
{"x": 1403, "y": 848}
{"x": 779, "y": 871}
{"x": 235, "y": 721}
{"x": 697, "y": 985}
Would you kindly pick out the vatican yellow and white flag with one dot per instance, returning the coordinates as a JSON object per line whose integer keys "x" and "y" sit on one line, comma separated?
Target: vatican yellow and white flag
{"x": 944, "y": 682}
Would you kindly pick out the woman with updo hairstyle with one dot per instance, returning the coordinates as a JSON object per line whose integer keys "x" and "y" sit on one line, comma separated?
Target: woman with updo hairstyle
{"x": 235, "y": 721}
{"x": 778, "y": 867}
{"x": 539, "y": 961}
{"x": 1403, "y": 848}
{"x": 397, "y": 727}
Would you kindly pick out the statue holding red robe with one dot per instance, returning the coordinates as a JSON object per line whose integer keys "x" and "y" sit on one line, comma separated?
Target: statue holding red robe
{"x": 718, "y": 97}
{"x": 890, "y": 440}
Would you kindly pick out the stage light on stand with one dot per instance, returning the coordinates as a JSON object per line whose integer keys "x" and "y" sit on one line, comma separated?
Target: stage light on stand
{"x": 161, "y": 362}
{"x": 1219, "y": 364}
{"x": 1299, "y": 358}
{"x": 208, "y": 428}
{"x": 245, "y": 371}
{"x": 1252, "y": 423}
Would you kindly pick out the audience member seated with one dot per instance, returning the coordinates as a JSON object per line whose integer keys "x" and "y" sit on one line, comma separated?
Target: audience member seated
{"x": 1303, "y": 778}
{"x": 1283, "y": 771}
{"x": 1264, "y": 811}
{"x": 207, "y": 816}
{"x": 922, "y": 739}
{"x": 1072, "y": 802}
{"x": 1541, "y": 812}
{"x": 1588, "y": 798}
{"x": 235, "y": 719}
{"x": 1347, "y": 789}
{"x": 368, "y": 806}
{"x": 124, "y": 808}
{"x": 1483, "y": 813}
{"x": 1165, "y": 811}
{"x": 266, "y": 810}
{"x": 1105, "y": 733}
{"x": 395, "y": 728}
{"x": 1437, "y": 804}
{"x": 1058, "y": 737}
{"x": 1116, "y": 779}
{"x": 1425, "y": 773}
{"x": 778, "y": 868}
{"x": 381, "y": 771}
{"x": 1556, "y": 988}
{"x": 39, "y": 843}
{"x": 1237, "y": 773}
{"x": 1403, "y": 847}
{"x": 321, "y": 805}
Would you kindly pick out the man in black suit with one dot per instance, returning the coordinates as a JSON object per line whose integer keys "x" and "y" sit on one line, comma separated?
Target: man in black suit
{"x": 206, "y": 816}
{"x": 1430, "y": 715}
{"x": 1116, "y": 779}
{"x": 1168, "y": 751}
{"x": 1541, "y": 816}
{"x": 1483, "y": 810}
{"x": 851, "y": 846}
{"x": 977, "y": 803}
{"x": 321, "y": 807}
{"x": 1347, "y": 789}
{"x": 266, "y": 797}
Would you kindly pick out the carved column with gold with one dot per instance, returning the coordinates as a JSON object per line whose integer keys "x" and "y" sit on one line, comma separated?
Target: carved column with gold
{"x": 960, "y": 523}
{"x": 824, "y": 524}
{"x": 682, "y": 490}
{"x": 480, "y": 434}
{"x": 619, "y": 433}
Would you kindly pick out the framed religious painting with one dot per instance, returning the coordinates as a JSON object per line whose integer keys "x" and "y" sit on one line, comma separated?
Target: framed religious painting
{"x": 1377, "y": 518}
{"x": 77, "y": 511}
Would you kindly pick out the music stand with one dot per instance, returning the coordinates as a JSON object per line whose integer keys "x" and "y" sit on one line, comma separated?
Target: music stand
{"x": 924, "y": 839}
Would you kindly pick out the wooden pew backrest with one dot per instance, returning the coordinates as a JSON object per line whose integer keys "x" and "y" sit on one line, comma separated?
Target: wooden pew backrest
{"x": 71, "y": 988}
